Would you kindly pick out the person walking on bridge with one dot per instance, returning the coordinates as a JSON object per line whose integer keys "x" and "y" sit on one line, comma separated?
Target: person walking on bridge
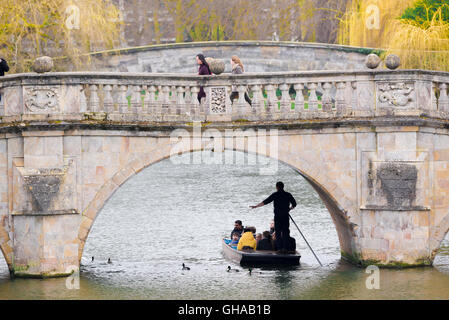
{"x": 203, "y": 70}
{"x": 237, "y": 68}
{"x": 282, "y": 201}
{"x": 3, "y": 68}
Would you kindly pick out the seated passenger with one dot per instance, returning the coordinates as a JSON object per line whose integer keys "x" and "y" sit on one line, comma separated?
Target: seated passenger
{"x": 253, "y": 230}
{"x": 265, "y": 243}
{"x": 247, "y": 240}
{"x": 271, "y": 227}
{"x": 291, "y": 245}
{"x": 238, "y": 227}
{"x": 234, "y": 240}
{"x": 258, "y": 237}
{"x": 273, "y": 240}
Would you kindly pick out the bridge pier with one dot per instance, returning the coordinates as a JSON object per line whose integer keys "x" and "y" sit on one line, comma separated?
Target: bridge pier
{"x": 44, "y": 214}
{"x": 45, "y": 245}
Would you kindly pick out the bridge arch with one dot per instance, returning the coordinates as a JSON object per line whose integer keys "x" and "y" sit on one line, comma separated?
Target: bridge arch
{"x": 4, "y": 258}
{"x": 438, "y": 235}
{"x": 5, "y": 248}
{"x": 312, "y": 172}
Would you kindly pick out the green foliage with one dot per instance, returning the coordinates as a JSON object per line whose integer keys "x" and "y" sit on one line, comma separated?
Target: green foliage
{"x": 32, "y": 28}
{"x": 423, "y": 11}
{"x": 290, "y": 20}
{"x": 420, "y": 37}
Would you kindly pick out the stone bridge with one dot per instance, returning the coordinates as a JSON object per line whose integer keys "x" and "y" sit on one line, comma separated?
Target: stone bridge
{"x": 258, "y": 56}
{"x": 373, "y": 144}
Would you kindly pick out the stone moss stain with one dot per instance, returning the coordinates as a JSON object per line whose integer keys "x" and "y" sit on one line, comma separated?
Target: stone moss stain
{"x": 398, "y": 183}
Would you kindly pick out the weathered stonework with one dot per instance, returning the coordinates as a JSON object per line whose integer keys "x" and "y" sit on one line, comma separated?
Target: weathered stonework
{"x": 384, "y": 178}
{"x": 257, "y": 56}
{"x": 42, "y": 99}
{"x": 218, "y": 100}
{"x": 395, "y": 94}
{"x": 398, "y": 184}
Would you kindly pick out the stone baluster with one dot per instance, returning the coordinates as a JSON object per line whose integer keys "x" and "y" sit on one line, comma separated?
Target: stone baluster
{"x": 241, "y": 90}
{"x": 327, "y": 98}
{"x": 173, "y": 95}
{"x": 299, "y": 100}
{"x": 136, "y": 99}
{"x": 243, "y": 106}
{"x": 272, "y": 100}
{"x": 348, "y": 98}
{"x": 258, "y": 101}
{"x": 340, "y": 99}
{"x": 180, "y": 101}
{"x": 122, "y": 100}
{"x": 189, "y": 99}
{"x": 313, "y": 99}
{"x": 2, "y": 101}
{"x": 152, "y": 102}
{"x": 194, "y": 103}
{"x": 164, "y": 100}
{"x": 83, "y": 99}
{"x": 172, "y": 109}
{"x": 354, "y": 99}
{"x": 286, "y": 101}
{"x": 229, "y": 104}
{"x": 188, "y": 95}
{"x": 146, "y": 99}
{"x": 94, "y": 101}
{"x": 434, "y": 97}
{"x": 108, "y": 101}
{"x": 443, "y": 101}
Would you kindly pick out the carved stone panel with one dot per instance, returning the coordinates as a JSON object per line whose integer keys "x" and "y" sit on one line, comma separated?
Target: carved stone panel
{"x": 42, "y": 99}
{"x": 396, "y": 94}
{"x": 218, "y": 100}
{"x": 394, "y": 185}
{"x": 47, "y": 191}
{"x": 397, "y": 183}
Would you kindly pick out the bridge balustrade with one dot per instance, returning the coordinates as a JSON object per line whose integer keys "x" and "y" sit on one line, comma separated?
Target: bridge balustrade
{"x": 156, "y": 97}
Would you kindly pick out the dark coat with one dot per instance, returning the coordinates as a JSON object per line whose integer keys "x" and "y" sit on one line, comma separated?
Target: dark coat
{"x": 265, "y": 244}
{"x": 291, "y": 244}
{"x": 3, "y": 67}
{"x": 239, "y": 231}
{"x": 203, "y": 71}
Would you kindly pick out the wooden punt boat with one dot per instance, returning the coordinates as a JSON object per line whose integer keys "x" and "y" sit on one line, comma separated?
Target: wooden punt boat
{"x": 254, "y": 258}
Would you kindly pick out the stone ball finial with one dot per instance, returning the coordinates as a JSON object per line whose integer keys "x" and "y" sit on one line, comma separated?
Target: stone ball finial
{"x": 392, "y": 61}
{"x": 372, "y": 61}
{"x": 43, "y": 64}
{"x": 216, "y": 66}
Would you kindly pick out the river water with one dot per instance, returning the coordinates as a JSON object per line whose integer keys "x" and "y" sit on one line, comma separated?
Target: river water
{"x": 171, "y": 214}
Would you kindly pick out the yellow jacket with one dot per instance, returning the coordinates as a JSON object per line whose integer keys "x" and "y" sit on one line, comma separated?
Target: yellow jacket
{"x": 247, "y": 239}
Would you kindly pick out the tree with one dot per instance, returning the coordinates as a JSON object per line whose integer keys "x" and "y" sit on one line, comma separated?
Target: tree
{"x": 290, "y": 20}
{"x": 31, "y": 28}
{"x": 417, "y": 31}
{"x": 421, "y": 39}
{"x": 423, "y": 11}
{"x": 367, "y": 23}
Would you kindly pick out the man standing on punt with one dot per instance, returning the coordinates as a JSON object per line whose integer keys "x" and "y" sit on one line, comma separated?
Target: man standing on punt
{"x": 282, "y": 201}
